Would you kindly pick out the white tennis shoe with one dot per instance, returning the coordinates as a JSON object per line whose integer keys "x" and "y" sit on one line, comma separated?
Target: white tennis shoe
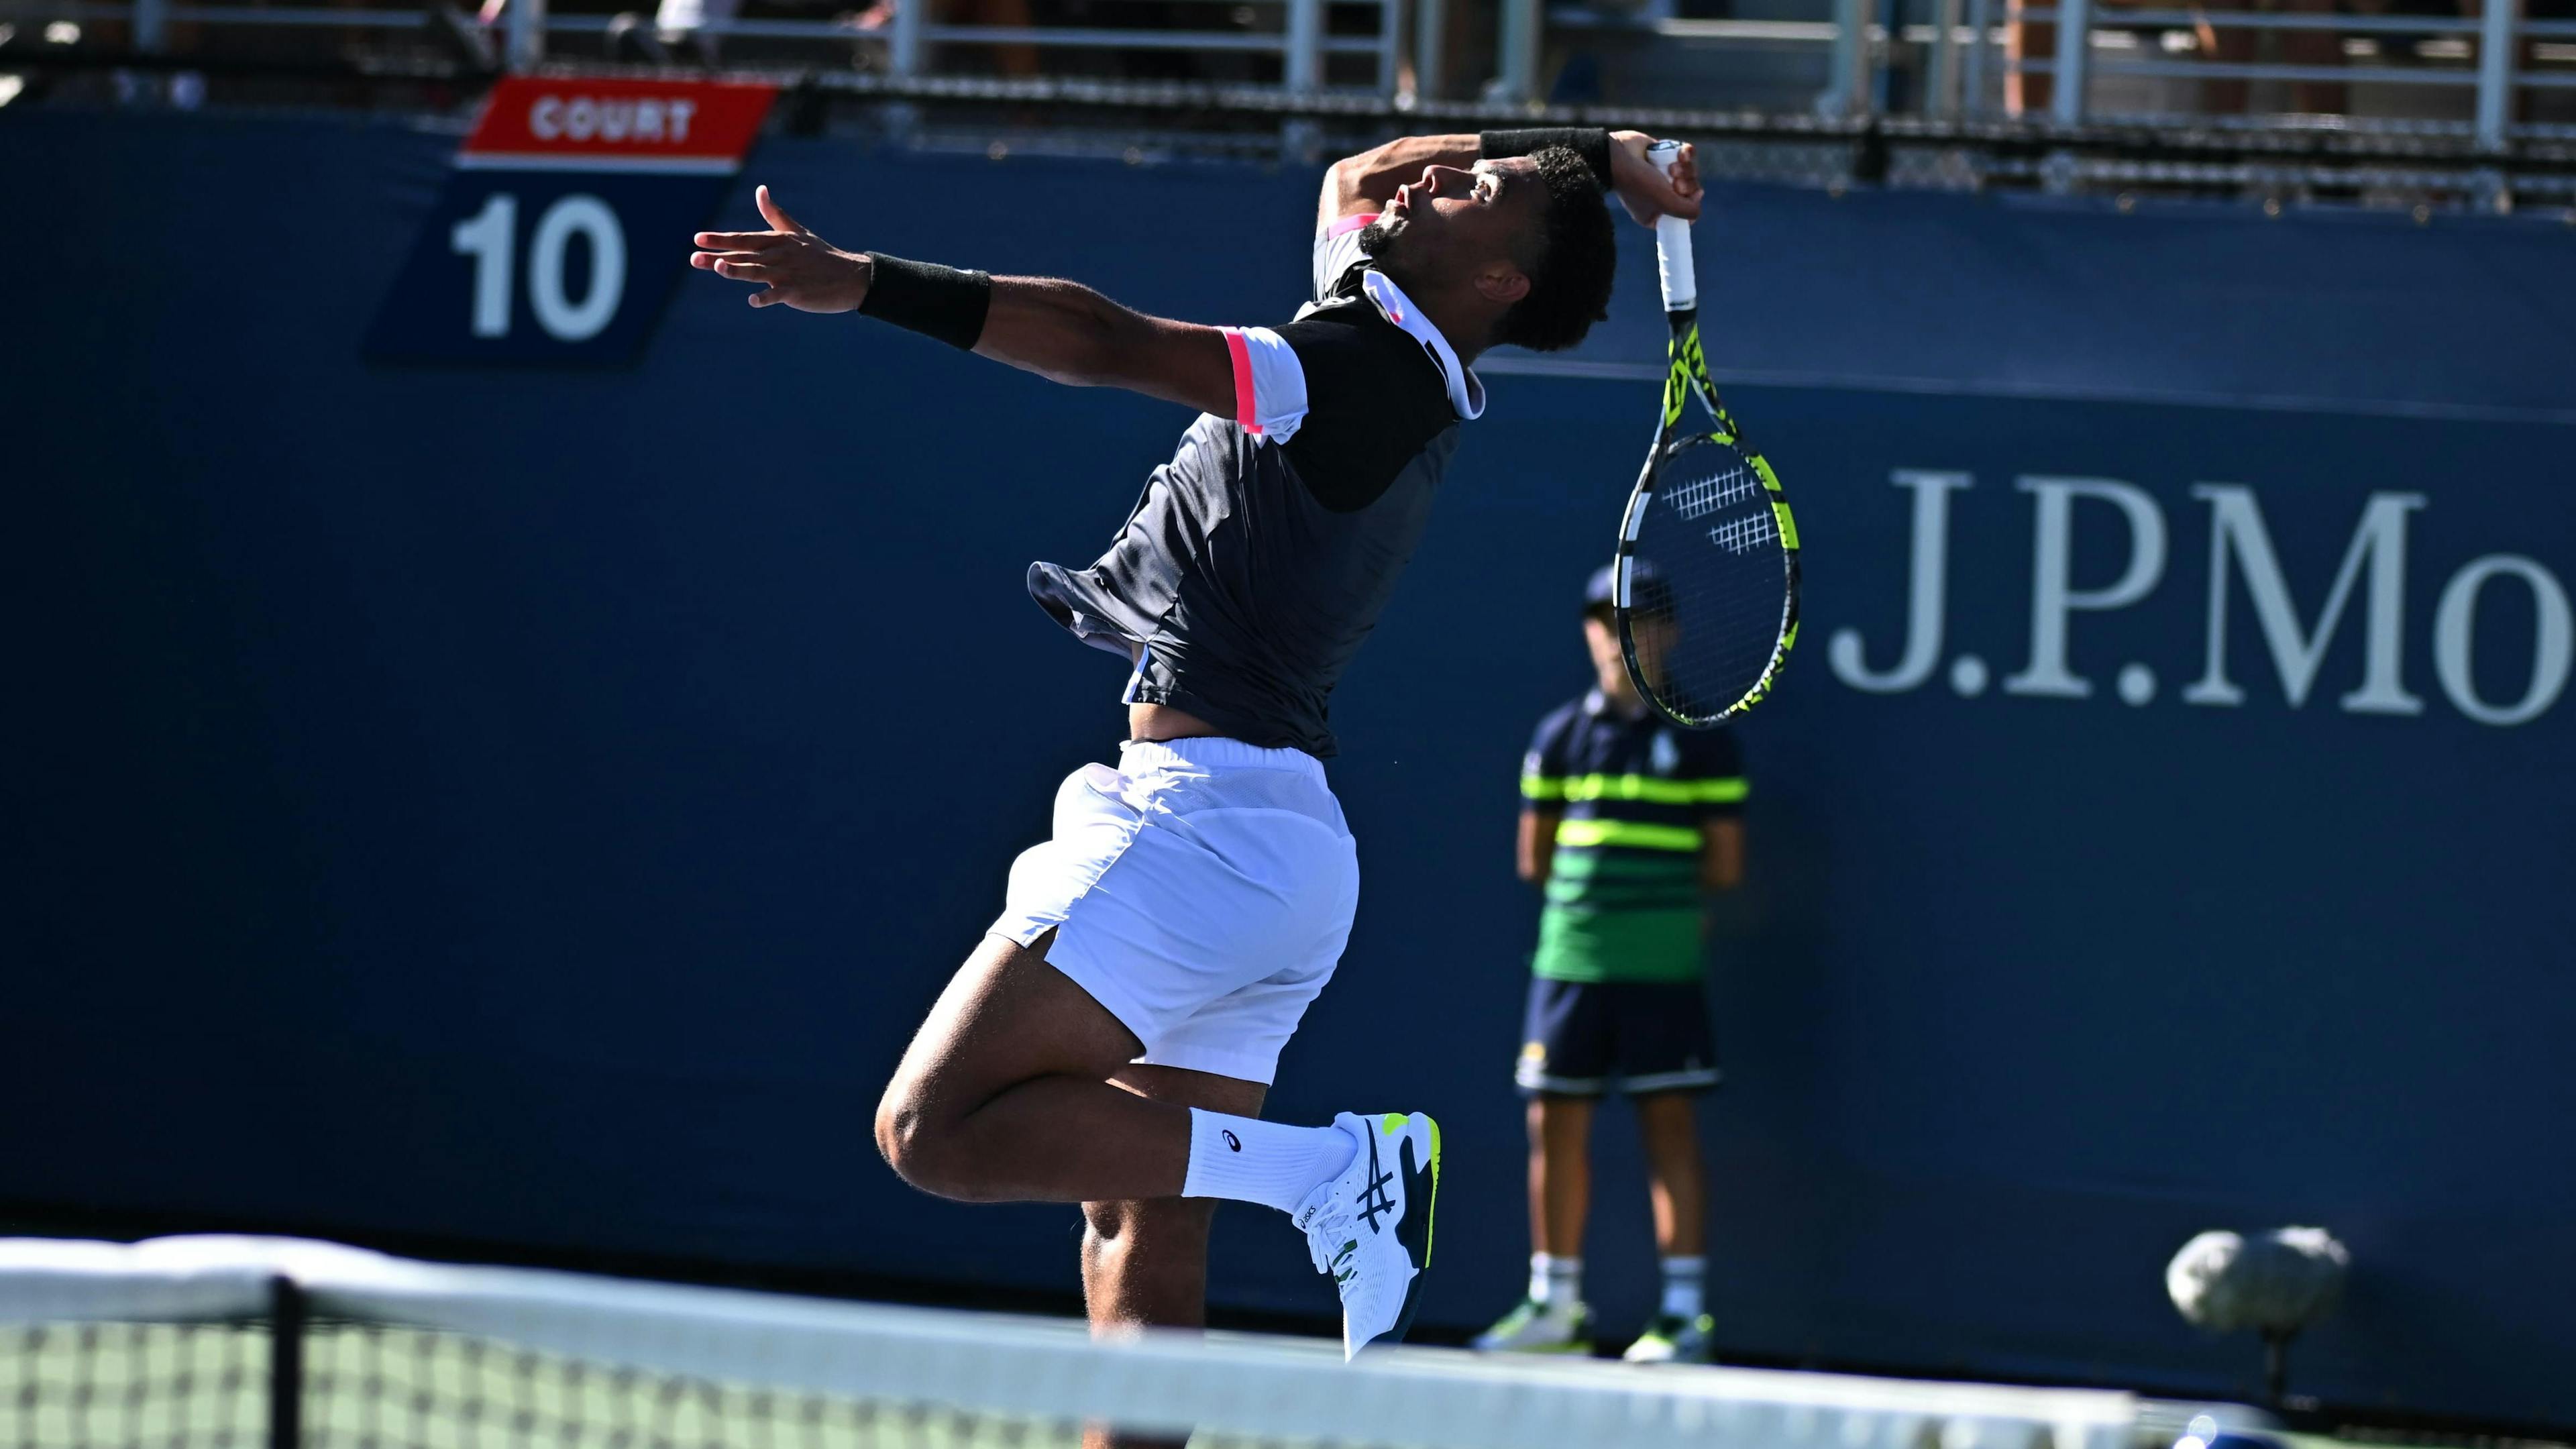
{"x": 1370, "y": 1228}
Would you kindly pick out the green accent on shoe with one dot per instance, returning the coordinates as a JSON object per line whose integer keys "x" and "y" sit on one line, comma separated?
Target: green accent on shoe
{"x": 1579, "y": 1341}
{"x": 1681, "y": 1340}
{"x": 1430, "y": 1214}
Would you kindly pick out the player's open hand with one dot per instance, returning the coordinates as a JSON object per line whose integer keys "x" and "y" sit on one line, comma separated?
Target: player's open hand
{"x": 1642, "y": 185}
{"x": 788, "y": 263}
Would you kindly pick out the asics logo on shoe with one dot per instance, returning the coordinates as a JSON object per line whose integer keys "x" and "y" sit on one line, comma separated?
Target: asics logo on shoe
{"x": 1232, "y": 1142}
{"x": 1374, "y": 1200}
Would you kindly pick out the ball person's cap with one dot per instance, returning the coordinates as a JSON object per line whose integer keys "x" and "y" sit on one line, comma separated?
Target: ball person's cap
{"x": 1653, "y": 595}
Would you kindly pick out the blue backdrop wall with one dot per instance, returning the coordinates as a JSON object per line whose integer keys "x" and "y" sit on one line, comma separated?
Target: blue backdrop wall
{"x": 534, "y": 806}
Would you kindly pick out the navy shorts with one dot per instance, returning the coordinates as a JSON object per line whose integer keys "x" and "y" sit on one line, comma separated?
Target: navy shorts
{"x": 1582, "y": 1038}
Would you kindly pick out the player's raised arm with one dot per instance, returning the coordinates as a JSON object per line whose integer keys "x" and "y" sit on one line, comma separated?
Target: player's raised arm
{"x": 1362, "y": 184}
{"x": 1062, "y": 331}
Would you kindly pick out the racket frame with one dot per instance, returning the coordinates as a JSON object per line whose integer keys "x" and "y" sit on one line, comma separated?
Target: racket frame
{"x": 1687, "y": 373}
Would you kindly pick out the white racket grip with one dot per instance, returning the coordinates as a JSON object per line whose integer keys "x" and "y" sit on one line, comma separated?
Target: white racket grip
{"x": 1673, "y": 241}
{"x": 1673, "y": 264}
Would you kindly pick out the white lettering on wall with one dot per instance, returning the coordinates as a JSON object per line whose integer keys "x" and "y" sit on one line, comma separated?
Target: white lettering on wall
{"x": 2455, "y": 622}
{"x": 2240, "y": 547}
{"x": 2237, "y": 533}
{"x": 584, "y": 118}
{"x": 2053, "y": 595}
{"x": 1930, "y": 589}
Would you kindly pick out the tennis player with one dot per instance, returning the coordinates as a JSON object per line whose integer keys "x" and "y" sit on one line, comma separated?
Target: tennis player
{"x": 1628, "y": 823}
{"x": 1111, "y": 1041}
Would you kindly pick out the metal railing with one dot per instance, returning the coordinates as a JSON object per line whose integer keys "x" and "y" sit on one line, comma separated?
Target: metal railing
{"x": 1302, "y": 42}
{"x": 1956, "y": 62}
{"x": 2499, "y": 32}
{"x": 1960, "y": 55}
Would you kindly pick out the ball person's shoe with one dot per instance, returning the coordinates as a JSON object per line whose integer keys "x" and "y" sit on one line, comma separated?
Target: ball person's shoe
{"x": 1536, "y": 1327}
{"x": 1370, "y": 1228}
{"x": 1674, "y": 1339}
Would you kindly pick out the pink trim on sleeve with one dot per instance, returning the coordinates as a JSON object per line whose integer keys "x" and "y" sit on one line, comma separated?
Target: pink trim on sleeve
{"x": 1350, "y": 224}
{"x": 1246, "y": 409}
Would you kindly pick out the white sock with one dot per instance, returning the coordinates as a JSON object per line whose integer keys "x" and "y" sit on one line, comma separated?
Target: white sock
{"x": 1249, "y": 1160}
{"x": 1682, "y": 1291}
{"x": 1555, "y": 1282}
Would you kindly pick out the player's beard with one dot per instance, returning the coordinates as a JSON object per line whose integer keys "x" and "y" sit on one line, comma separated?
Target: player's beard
{"x": 1387, "y": 251}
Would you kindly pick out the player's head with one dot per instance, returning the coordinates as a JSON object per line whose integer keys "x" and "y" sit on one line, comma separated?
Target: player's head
{"x": 1528, "y": 236}
{"x": 1650, "y": 621}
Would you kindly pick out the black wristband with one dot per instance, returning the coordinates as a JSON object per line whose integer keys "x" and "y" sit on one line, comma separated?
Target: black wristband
{"x": 1592, "y": 143}
{"x": 927, "y": 298}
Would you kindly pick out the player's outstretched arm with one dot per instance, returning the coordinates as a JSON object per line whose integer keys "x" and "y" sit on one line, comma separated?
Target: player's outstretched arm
{"x": 1068, "y": 333}
{"x": 1059, "y": 330}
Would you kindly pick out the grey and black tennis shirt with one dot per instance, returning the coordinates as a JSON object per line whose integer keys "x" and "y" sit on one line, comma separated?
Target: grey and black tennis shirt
{"x": 1257, "y": 560}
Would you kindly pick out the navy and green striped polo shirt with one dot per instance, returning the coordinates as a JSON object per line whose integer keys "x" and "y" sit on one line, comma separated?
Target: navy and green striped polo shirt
{"x": 1623, "y": 892}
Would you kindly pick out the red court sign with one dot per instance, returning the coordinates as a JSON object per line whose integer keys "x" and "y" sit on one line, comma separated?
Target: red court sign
{"x": 555, "y": 120}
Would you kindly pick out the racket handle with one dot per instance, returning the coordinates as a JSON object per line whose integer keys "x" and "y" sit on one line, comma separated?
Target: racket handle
{"x": 1673, "y": 241}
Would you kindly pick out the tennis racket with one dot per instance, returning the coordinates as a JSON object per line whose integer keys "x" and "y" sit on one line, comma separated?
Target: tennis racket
{"x": 1707, "y": 598}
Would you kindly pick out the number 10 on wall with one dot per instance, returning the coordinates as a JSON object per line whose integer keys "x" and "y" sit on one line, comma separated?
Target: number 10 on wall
{"x": 531, "y": 268}
{"x": 490, "y": 238}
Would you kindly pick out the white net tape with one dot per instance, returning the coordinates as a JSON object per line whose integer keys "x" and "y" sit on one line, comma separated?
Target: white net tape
{"x": 1041, "y": 1370}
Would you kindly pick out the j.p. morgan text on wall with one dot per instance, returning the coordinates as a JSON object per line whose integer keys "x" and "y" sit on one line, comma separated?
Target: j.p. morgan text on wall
{"x": 2371, "y": 585}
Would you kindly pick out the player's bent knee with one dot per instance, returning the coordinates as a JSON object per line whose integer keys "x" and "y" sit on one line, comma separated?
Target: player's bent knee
{"x": 913, "y": 1143}
{"x": 898, "y": 1128}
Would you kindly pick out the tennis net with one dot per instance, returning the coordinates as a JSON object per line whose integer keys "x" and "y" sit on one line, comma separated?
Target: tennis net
{"x": 240, "y": 1343}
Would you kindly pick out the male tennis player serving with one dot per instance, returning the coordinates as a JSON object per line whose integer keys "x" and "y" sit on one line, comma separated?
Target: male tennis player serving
{"x": 1111, "y": 1041}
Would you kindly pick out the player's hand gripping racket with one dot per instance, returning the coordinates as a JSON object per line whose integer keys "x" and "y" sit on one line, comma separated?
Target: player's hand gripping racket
{"x": 1708, "y": 555}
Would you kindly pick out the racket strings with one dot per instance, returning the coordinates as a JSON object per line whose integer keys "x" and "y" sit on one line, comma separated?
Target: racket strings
{"x": 1696, "y": 497}
{"x": 1739, "y": 534}
{"x": 1706, "y": 630}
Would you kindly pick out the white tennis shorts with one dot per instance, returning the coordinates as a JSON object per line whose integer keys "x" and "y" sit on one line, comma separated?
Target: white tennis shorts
{"x": 1202, "y": 892}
